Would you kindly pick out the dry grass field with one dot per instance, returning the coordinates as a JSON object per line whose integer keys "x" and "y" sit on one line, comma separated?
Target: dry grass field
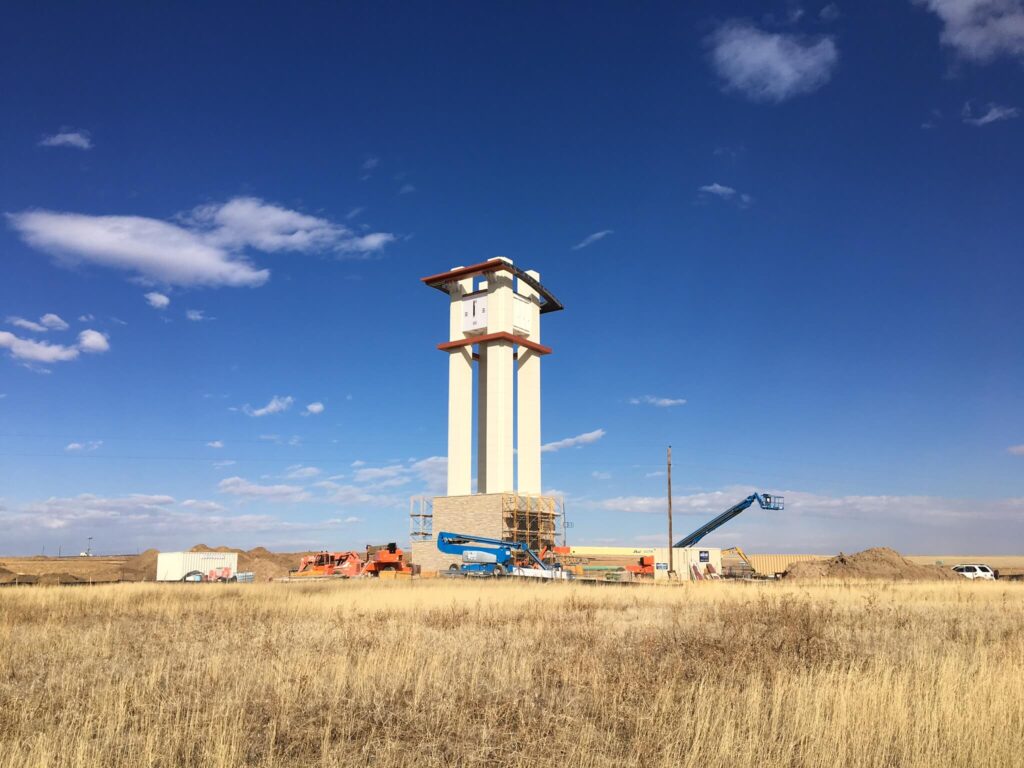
{"x": 435, "y": 673}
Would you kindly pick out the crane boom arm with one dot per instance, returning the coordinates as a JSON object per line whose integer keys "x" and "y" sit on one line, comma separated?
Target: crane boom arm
{"x": 766, "y": 501}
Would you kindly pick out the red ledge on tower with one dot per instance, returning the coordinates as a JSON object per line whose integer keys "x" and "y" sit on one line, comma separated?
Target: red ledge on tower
{"x": 463, "y": 272}
{"x": 503, "y": 336}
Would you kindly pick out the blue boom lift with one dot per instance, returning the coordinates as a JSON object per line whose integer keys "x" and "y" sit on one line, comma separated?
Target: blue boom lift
{"x": 766, "y": 500}
{"x": 492, "y": 557}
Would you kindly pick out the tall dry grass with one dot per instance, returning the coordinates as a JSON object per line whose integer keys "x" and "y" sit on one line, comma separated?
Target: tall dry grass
{"x": 481, "y": 673}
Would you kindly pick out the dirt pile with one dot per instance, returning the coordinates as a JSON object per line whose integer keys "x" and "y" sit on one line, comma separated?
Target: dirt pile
{"x": 875, "y": 563}
{"x": 142, "y": 567}
{"x": 59, "y": 578}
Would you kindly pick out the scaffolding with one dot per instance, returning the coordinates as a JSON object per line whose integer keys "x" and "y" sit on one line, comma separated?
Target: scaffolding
{"x": 421, "y": 519}
{"x": 534, "y": 520}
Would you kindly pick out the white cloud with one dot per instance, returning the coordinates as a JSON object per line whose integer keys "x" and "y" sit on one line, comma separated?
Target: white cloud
{"x": 723, "y": 192}
{"x": 601, "y": 475}
{"x": 659, "y": 402}
{"x": 829, "y": 13}
{"x": 315, "y": 408}
{"x": 298, "y": 472}
{"x": 593, "y": 238}
{"x": 48, "y": 322}
{"x": 195, "y": 315}
{"x": 358, "y": 463}
{"x": 406, "y": 189}
{"x": 238, "y": 486}
{"x": 395, "y": 474}
{"x": 202, "y": 506}
{"x": 570, "y": 442}
{"x": 120, "y": 523}
{"x": 205, "y": 247}
{"x": 224, "y": 463}
{"x": 90, "y": 445}
{"x": 980, "y": 30}
{"x": 67, "y": 138}
{"x": 719, "y": 190}
{"x": 28, "y": 325}
{"x": 93, "y": 342}
{"x": 87, "y": 318}
{"x": 352, "y": 519}
{"x": 53, "y": 322}
{"x": 277, "y": 404}
{"x": 770, "y": 66}
{"x": 157, "y": 300}
{"x": 44, "y": 352}
{"x": 215, "y": 444}
{"x": 1016, "y": 450}
{"x": 992, "y": 113}
{"x": 354, "y": 212}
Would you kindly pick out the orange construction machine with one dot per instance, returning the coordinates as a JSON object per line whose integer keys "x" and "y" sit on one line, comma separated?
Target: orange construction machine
{"x": 326, "y": 564}
{"x": 387, "y": 558}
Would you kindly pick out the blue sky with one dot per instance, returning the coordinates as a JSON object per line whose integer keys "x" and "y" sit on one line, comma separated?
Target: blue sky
{"x": 787, "y": 238}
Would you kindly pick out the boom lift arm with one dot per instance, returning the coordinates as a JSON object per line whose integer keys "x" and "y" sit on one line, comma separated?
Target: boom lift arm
{"x": 766, "y": 500}
{"x": 465, "y": 543}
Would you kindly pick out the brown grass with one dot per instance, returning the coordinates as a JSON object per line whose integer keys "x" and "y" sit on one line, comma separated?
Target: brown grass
{"x": 434, "y": 673}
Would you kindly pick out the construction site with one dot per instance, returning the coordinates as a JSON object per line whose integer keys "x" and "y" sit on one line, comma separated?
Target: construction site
{"x": 494, "y": 520}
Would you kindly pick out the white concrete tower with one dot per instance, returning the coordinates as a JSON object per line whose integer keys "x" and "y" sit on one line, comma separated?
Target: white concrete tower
{"x": 501, "y": 317}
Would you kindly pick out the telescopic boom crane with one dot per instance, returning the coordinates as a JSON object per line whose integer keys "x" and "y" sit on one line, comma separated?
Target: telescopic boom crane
{"x": 766, "y": 500}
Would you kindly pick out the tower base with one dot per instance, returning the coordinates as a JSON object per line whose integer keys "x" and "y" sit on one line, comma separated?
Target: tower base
{"x": 535, "y": 520}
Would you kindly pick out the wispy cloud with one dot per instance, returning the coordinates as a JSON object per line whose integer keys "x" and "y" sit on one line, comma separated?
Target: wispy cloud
{"x": 980, "y": 30}
{"x": 406, "y": 189}
{"x": 207, "y": 246}
{"x": 67, "y": 138}
{"x": 238, "y": 486}
{"x": 1016, "y": 450}
{"x": 314, "y": 409}
{"x": 196, "y": 315}
{"x": 370, "y": 163}
{"x": 215, "y": 444}
{"x": 770, "y": 66}
{"x": 591, "y": 239}
{"x": 89, "y": 445}
{"x": 157, "y": 300}
{"x": 277, "y": 404}
{"x": 723, "y": 192}
{"x": 572, "y": 442}
{"x": 299, "y": 472}
{"x": 992, "y": 113}
{"x": 659, "y": 402}
{"x": 48, "y": 322}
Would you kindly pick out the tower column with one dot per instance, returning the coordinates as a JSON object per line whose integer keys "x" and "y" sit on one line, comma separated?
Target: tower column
{"x": 496, "y": 362}
{"x": 528, "y": 397}
{"x": 460, "y": 398}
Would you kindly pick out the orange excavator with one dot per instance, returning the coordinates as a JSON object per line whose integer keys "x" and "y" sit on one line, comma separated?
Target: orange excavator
{"x": 348, "y": 565}
{"x": 344, "y": 565}
{"x": 386, "y": 558}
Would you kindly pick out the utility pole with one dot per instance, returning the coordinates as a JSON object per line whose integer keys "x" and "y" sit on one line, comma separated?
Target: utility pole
{"x": 671, "y": 564}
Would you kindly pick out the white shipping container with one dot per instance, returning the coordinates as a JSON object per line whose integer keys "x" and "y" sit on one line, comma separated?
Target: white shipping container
{"x": 172, "y": 566}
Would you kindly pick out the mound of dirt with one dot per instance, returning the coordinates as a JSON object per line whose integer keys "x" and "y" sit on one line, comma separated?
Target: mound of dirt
{"x": 875, "y": 563}
{"x": 59, "y": 578}
{"x": 142, "y": 567}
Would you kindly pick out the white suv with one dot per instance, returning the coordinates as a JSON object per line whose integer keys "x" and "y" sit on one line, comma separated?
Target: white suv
{"x": 975, "y": 571}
